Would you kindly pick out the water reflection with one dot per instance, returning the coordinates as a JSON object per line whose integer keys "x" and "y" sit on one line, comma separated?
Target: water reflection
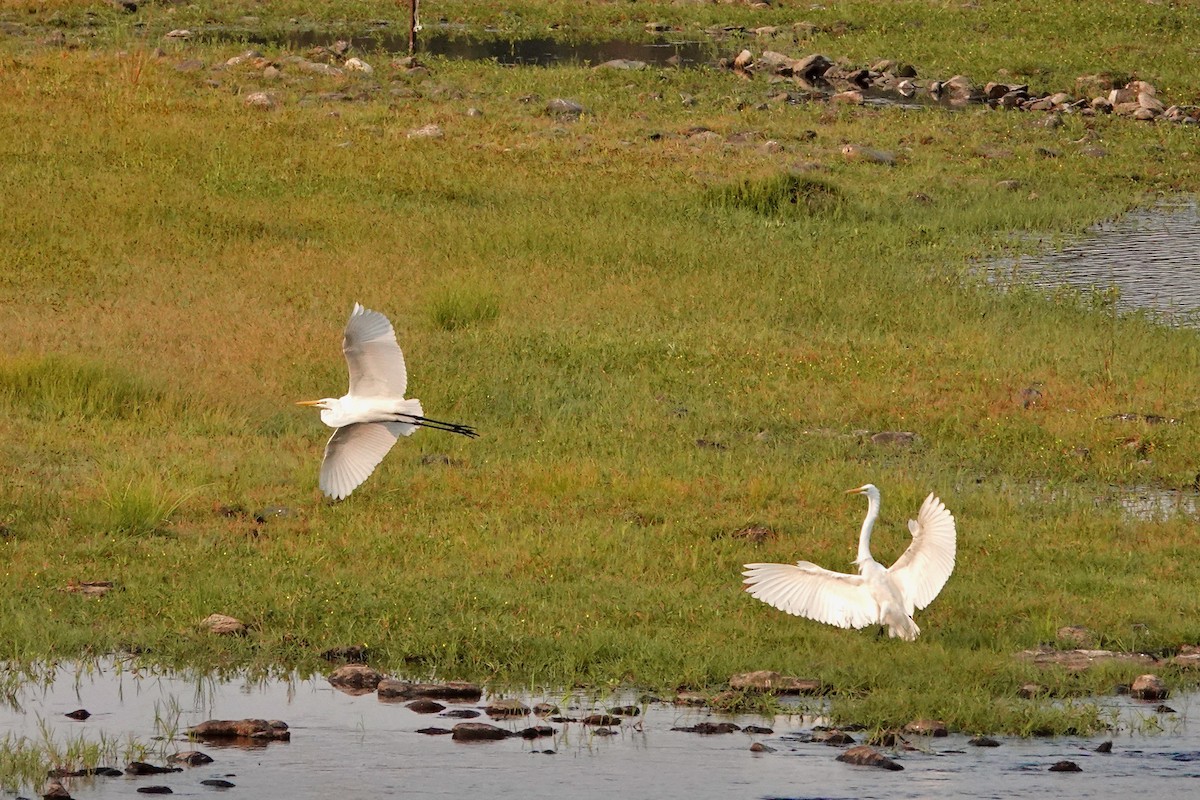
{"x": 339, "y": 741}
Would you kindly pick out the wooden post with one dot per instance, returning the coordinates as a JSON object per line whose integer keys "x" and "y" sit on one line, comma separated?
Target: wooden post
{"x": 412, "y": 26}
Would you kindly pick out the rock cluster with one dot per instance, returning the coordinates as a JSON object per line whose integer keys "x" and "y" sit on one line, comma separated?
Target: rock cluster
{"x": 816, "y": 76}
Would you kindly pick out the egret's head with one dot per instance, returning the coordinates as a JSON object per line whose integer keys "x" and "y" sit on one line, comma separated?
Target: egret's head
{"x": 867, "y": 488}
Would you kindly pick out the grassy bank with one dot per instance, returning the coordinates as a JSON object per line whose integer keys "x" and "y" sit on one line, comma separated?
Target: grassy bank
{"x": 605, "y": 298}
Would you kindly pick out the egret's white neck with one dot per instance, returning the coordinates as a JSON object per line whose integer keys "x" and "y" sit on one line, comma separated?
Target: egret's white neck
{"x": 864, "y": 538}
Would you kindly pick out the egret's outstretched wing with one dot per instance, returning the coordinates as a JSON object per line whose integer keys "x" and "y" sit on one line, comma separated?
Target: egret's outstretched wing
{"x": 373, "y": 356}
{"x": 806, "y": 590}
{"x": 354, "y": 451}
{"x": 927, "y": 563}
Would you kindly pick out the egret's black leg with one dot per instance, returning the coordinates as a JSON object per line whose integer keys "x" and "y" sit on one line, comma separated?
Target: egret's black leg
{"x": 438, "y": 425}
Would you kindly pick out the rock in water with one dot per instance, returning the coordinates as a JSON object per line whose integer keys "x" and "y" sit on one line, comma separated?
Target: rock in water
{"x": 355, "y": 677}
{"x": 865, "y": 756}
{"x": 478, "y": 732}
{"x": 1148, "y": 687}
{"x": 261, "y": 729}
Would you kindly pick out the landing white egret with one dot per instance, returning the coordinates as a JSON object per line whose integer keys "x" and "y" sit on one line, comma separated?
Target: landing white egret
{"x": 876, "y": 596}
{"x": 374, "y": 413}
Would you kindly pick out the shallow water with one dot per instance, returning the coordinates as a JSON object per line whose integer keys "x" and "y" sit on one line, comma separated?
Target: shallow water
{"x": 541, "y": 51}
{"x": 1149, "y": 254}
{"x": 342, "y": 744}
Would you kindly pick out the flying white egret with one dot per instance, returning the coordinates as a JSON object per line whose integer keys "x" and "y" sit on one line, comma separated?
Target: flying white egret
{"x": 876, "y": 596}
{"x": 374, "y": 413}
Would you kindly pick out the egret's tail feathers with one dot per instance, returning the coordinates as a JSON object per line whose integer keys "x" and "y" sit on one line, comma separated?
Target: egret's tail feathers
{"x": 411, "y": 414}
{"x": 904, "y": 628}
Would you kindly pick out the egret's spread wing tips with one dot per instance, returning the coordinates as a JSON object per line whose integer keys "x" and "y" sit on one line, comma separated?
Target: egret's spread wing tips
{"x": 813, "y": 592}
{"x": 352, "y": 454}
{"x": 927, "y": 563}
{"x": 373, "y": 356}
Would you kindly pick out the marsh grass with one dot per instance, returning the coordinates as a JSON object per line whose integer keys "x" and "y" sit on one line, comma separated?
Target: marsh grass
{"x": 652, "y": 370}
{"x": 26, "y": 760}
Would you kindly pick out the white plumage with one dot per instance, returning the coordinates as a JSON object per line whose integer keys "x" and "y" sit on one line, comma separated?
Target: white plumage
{"x": 876, "y": 596}
{"x": 374, "y": 413}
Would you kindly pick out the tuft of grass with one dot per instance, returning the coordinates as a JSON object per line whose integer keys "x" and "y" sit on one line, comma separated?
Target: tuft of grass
{"x": 138, "y": 508}
{"x": 459, "y": 308}
{"x": 781, "y": 195}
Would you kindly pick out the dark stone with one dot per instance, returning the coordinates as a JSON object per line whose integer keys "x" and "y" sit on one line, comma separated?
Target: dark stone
{"x": 601, "y": 719}
{"x": 1161, "y": 709}
{"x": 536, "y": 732}
{"x": 757, "y": 729}
{"x": 434, "y": 731}
{"x": 154, "y": 790}
{"x": 812, "y": 67}
{"x": 1105, "y": 747}
{"x": 759, "y": 747}
{"x": 507, "y": 708}
{"x": 453, "y": 690}
{"x": 864, "y": 756}
{"x": 217, "y": 783}
{"x": 79, "y": 713}
{"x": 833, "y": 738}
{"x": 1065, "y": 766}
{"x": 709, "y": 728}
{"x": 478, "y": 732}
{"x": 461, "y": 713}
{"x": 425, "y": 706}
{"x": 352, "y": 654}
{"x": 603, "y": 732}
{"x": 142, "y": 768}
{"x": 192, "y": 758}
{"x": 983, "y": 741}
{"x": 626, "y": 711}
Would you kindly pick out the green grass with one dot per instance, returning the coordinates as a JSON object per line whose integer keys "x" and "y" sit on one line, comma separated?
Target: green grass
{"x": 595, "y": 297}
